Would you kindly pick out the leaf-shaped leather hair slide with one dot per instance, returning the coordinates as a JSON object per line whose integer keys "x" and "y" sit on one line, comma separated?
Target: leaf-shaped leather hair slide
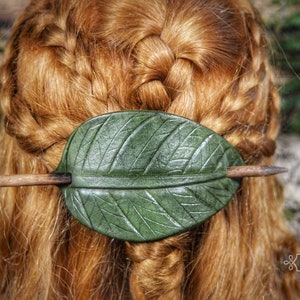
{"x": 144, "y": 175}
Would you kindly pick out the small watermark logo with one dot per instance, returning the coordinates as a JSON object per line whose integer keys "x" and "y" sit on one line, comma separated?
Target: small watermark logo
{"x": 293, "y": 263}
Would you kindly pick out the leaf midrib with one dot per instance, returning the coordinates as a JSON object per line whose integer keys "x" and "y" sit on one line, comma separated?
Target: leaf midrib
{"x": 136, "y": 182}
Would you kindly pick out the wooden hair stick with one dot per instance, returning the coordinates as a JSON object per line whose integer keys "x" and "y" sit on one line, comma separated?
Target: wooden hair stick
{"x": 63, "y": 179}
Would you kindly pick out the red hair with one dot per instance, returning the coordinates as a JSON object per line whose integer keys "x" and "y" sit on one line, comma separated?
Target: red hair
{"x": 67, "y": 61}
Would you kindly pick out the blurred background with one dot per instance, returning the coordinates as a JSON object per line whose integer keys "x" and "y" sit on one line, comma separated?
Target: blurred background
{"x": 282, "y": 18}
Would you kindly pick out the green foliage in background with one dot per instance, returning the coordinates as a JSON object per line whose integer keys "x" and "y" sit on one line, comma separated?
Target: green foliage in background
{"x": 285, "y": 27}
{"x": 1, "y": 44}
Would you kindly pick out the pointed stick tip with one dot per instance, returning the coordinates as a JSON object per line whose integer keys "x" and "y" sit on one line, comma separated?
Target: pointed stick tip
{"x": 273, "y": 170}
{"x": 254, "y": 171}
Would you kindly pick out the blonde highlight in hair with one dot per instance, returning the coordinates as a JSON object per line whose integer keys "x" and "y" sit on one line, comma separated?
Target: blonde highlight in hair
{"x": 67, "y": 61}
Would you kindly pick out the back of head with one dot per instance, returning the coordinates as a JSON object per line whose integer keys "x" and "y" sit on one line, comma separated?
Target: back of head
{"x": 67, "y": 61}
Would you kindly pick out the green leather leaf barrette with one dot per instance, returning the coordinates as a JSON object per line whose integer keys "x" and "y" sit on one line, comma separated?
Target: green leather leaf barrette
{"x": 144, "y": 175}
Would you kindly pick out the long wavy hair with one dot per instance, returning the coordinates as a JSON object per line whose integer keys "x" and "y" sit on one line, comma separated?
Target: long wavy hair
{"x": 69, "y": 60}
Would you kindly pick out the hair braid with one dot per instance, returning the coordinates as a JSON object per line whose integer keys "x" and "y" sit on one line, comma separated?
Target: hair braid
{"x": 150, "y": 54}
{"x": 248, "y": 114}
{"x": 158, "y": 268}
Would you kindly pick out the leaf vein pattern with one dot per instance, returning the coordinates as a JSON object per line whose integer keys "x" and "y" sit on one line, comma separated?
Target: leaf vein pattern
{"x": 156, "y": 153}
{"x": 202, "y": 200}
{"x": 79, "y": 199}
{"x": 111, "y": 140}
{"x": 147, "y": 143}
{"x": 164, "y": 211}
{"x": 132, "y": 133}
{"x": 104, "y": 212}
{"x": 142, "y": 217}
{"x": 180, "y": 146}
{"x": 90, "y": 143}
{"x": 208, "y": 160}
{"x": 180, "y": 204}
{"x": 213, "y": 195}
{"x": 197, "y": 151}
{"x": 127, "y": 220}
